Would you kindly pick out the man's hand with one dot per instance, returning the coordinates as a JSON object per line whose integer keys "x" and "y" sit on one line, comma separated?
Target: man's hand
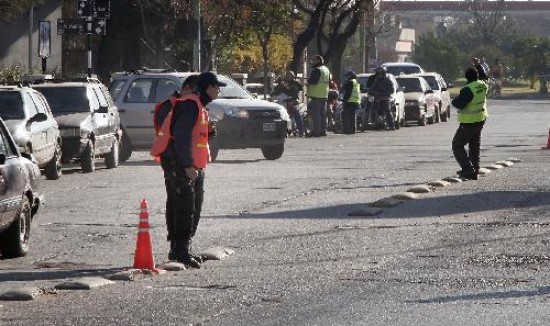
{"x": 191, "y": 173}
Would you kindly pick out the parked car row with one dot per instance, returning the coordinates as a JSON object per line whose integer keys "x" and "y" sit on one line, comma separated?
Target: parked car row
{"x": 427, "y": 98}
{"x": 42, "y": 127}
{"x": 419, "y": 96}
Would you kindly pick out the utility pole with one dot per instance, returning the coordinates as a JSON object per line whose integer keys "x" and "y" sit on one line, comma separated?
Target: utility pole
{"x": 31, "y": 27}
{"x": 198, "y": 43}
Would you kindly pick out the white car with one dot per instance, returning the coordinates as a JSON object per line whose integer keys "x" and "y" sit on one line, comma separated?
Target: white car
{"x": 402, "y": 68}
{"x": 397, "y": 99}
{"x": 242, "y": 121}
{"x": 441, "y": 94}
{"x": 419, "y": 100}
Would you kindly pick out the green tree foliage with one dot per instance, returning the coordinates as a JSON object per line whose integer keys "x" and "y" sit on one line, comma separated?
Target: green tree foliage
{"x": 244, "y": 32}
{"x": 12, "y": 8}
{"x": 438, "y": 54}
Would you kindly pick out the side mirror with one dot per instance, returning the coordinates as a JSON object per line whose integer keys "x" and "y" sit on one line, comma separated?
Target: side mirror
{"x": 429, "y": 91}
{"x": 443, "y": 89}
{"x": 39, "y": 117}
{"x": 103, "y": 109}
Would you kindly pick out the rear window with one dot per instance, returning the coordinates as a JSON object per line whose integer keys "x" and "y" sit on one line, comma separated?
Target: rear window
{"x": 432, "y": 82}
{"x": 410, "y": 84}
{"x": 66, "y": 99}
{"x": 406, "y": 70}
{"x": 11, "y": 106}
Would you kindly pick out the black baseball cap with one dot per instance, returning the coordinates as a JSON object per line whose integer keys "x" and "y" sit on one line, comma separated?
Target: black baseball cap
{"x": 208, "y": 78}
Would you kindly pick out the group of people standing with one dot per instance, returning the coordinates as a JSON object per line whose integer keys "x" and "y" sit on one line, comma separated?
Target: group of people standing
{"x": 323, "y": 92}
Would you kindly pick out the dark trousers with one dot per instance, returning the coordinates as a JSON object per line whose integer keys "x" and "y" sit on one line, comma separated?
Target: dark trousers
{"x": 183, "y": 201}
{"x": 468, "y": 134}
{"x": 348, "y": 117}
{"x": 318, "y": 110}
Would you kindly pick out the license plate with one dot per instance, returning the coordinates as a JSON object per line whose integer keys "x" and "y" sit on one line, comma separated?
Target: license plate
{"x": 269, "y": 126}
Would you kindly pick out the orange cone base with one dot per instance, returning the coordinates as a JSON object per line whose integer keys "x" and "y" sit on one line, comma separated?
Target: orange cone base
{"x": 143, "y": 258}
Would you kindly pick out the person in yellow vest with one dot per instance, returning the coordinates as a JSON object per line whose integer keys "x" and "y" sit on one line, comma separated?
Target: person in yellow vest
{"x": 352, "y": 102}
{"x": 317, "y": 93}
{"x": 182, "y": 145}
{"x": 472, "y": 113}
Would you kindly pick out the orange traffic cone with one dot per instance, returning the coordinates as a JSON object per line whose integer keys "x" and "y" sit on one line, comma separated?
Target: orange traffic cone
{"x": 548, "y": 142}
{"x": 143, "y": 258}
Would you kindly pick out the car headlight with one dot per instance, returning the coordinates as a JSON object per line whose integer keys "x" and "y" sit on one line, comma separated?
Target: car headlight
{"x": 69, "y": 132}
{"x": 236, "y": 112}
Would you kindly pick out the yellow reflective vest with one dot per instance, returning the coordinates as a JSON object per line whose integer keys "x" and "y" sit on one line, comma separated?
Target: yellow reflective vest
{"x": 320, "y": 90}
{"x": 476, "y": 110}
{"x": 355, "y": 96}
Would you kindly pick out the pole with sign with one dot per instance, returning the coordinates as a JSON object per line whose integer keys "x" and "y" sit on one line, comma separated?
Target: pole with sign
{"x": 44, "y": 42}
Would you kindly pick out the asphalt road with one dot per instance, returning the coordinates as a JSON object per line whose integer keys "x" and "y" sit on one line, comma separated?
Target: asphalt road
{"x": 470, "y": 253}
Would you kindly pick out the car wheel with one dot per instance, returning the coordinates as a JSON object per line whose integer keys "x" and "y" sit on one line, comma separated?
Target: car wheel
{"x": 14, "y": 241}
{"x": 422, "y": 120}
{"x": 445, "y": 115}
{"x": 87, "y": 163}
{"x": 437, "y": 113}
{"x": 125, "y": 148}
{"x": 273, "y": 152}
{"x": 112, "y": 158}
{"x": 431, "y": 119}
{"x": 214, "y": 147}
{"x": 54, "y": 166}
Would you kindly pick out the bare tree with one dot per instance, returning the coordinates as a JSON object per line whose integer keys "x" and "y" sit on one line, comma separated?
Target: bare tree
{"x": 488, "y": 18}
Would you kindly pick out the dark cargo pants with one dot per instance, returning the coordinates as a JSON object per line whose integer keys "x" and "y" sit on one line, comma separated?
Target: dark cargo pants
{"x": 183, "y": 201}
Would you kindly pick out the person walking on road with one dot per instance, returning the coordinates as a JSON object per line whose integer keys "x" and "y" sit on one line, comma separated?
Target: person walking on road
{"x": 472, "y": 113}
{"x": 182, "y": 145}
{"x": 352, "y": 102}
{"x": 317, "y": 92}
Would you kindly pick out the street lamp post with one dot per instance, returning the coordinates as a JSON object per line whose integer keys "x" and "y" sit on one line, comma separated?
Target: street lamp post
{"x": 198, "y": 41}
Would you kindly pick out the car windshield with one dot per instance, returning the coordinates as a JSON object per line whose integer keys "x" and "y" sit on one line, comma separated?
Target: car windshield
{"x": 66, "y": 99}
{"x": 432, "y": 82}
{"x": 116, "y": 87}
{"x": 410, "y": 84}
{"x": 233, "y": 90}
{"x": 406, "y": 70}
{"x": 11, "y": 106}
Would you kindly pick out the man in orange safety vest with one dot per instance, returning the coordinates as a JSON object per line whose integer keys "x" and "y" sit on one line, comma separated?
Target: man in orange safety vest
{"x": 182, "y": 145}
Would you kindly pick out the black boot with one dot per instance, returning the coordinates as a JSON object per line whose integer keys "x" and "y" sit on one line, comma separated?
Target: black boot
{"x": 172, "y": 252}
{"x": 198, "y": 258}
{"x": 181, "y": 250}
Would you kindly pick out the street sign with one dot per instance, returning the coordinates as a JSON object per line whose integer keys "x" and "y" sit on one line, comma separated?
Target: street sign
{"x": 99, "y": 27}
{"x": 94, "y": 8}
{"x": 71, "y": 26}
{"x": 81, "y": 26}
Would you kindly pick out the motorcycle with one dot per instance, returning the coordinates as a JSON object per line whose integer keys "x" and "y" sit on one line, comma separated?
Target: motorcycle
{"x": 376, "y": 115}
{"x": 292, "y": 106}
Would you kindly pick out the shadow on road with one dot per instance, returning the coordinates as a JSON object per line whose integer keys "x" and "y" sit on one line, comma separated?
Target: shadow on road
{"x": 54, "y": 275}
{"x": 424, "y": 207}
{"x": 541, "y": 291}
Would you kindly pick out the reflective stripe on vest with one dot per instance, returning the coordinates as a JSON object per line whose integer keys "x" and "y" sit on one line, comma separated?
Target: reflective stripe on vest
{"x": 320, "y": 90}
{"x": 199, "y": 135}
{"x": 476, "y": 110}
{"x": 355, "y": 92}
